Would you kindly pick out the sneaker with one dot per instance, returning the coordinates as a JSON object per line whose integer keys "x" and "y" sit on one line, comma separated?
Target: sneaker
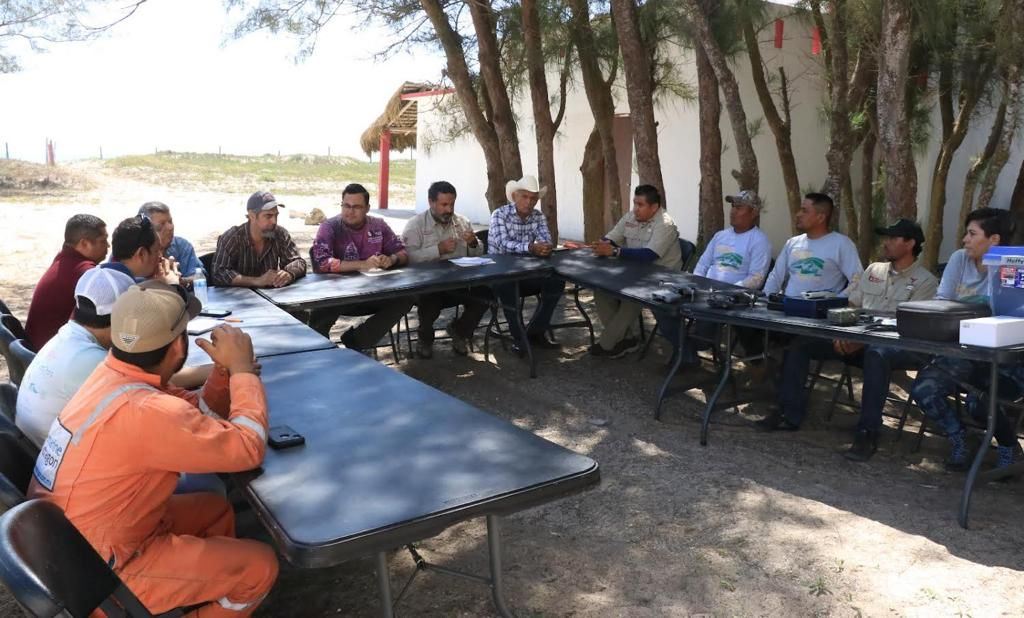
{"x": 460, "y": 344}
{"x": 775, "y": 422}
{"x": 957, "y": 460}
{"x": 424, "y": 349}
{"x": 624, "y": 347}
{"x": 865, "y": 443}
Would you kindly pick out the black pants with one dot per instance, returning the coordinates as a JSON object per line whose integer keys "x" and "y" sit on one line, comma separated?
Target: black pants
{"x": 383, "y": 315}
{"x": 474, "y": 301}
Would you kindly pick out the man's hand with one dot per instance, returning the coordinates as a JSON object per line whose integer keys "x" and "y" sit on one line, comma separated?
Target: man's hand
{"x": 540, "y": 249}
{"x": 167, "y": 271}
{"x": 231, "y": 348}
{"x": 281, "y": 278}
{"x": 846, "y": 348}
{"x": 469, "y": 238}
{"x": 603, "y": 248}
{"x": 266, "y": 280}
{"x": 446, "y": 246}
{"x": 333, "y": 265}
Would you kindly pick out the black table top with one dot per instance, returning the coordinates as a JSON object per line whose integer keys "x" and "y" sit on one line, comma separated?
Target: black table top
{"x": 631, "y": 280}
{"x": 760, "y": 317}
{"x": 273, "y": 330}
{"x": 319, "y": 290}
{"x": 389, "y": 460}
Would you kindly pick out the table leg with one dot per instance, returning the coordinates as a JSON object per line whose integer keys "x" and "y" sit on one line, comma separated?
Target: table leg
{"x": 525, "y": 339}
{"x": 990, "y": 429}
{"x": 680, "y": 340}
{"x": 494, "y": 550}
{"x": 384, "y": 585}
{"x": 583, "y": 312}
{"x": 726, "y": 373}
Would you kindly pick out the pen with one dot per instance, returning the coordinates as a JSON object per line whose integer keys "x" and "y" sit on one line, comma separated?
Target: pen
{"x": 232, "y": 319}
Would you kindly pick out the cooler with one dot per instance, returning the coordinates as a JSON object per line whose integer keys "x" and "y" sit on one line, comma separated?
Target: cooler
{"x": 1007, "y": 296}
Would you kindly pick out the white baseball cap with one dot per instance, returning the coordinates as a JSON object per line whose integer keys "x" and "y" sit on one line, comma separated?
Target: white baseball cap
{"x": 101, "y": 287}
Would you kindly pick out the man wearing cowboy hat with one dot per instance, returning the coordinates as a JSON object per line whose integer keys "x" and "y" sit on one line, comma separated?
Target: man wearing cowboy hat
{"x": 518, "y": 228}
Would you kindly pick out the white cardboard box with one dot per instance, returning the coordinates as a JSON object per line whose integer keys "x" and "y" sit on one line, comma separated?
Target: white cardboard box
{"x": 993, "y": 332}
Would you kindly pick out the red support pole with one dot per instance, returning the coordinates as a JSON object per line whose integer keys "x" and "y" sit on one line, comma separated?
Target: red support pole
{"x": 779, "y": 30}
{"x": 385, "y": 168}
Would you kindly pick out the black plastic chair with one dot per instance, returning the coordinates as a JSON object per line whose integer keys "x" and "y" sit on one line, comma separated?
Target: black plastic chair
{"x": 7, "y": 338}
{"x": 8, "y": 400}
{"x": 14, "y": 325}
{"x": 19, "y": 358}
{"x": 4, "y": 308}
{"x": 17, "y": 458}
{"x": 688, "y": 249}
{"x": 206, "y": 260}
{"x": 51, "y": 569}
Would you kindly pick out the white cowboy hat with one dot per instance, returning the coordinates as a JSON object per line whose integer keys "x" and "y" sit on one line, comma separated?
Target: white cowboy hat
{"x": 526, "y": 183}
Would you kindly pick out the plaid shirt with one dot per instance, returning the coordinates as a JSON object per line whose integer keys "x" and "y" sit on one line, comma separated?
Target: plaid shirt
{"x": 509, "y": 233}
{"x": 237, "y": 256}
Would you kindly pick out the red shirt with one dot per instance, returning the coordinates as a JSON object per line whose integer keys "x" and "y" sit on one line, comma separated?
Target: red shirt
{"x": 53, "y": 300}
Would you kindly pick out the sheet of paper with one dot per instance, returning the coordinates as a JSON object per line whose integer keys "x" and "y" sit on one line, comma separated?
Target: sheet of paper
{"x": 198, "y": 326}
{"x": 377, "y": 272}
{"x": 471, "y": 261}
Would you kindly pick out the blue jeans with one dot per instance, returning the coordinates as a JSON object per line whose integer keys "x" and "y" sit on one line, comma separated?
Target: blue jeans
{"x": 796, "y": 365}
{"x": 938, "y": 381}
{"x": 550, "y": 289}
{"x": 201, "y": 483}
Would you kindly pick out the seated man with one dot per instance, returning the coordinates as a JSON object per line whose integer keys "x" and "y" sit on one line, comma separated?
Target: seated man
{"x": 63, "y": 364}
{"x": 967, "y": 279}
{"x": 172, "y": 246}
{"x": 882, "y": 287}
{"x": 518, "y": 228}
{"x": 53, "y": 300}
{"x": 258, "y": 253}
{"x": 739, "y": 255}
{"x": 817, "y": 260}
{"x": 439, "y": 233}
{"x": 135, "y": 251}
{"x": 353, "y": 241}
{"x": 112, "y": 460}
{"x": 645, "y": 234}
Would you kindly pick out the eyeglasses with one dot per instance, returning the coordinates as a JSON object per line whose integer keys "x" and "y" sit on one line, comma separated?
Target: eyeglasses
{"x": 345, "y": 206}
{"x": 184, "y": 309}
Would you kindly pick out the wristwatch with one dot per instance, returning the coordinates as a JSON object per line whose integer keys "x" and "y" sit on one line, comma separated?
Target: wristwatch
{"x": 618, "y": 250}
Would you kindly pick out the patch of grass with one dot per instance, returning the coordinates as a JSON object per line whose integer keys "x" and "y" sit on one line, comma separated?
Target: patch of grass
{"x": 291, "y": 173}
{"x": 22, "y": 178}
{"x": 727, "y": 585}
{"x": 818, "y": 587}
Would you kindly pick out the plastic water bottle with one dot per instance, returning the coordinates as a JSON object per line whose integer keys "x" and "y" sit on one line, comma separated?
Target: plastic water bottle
{"x": 199, "y": 286}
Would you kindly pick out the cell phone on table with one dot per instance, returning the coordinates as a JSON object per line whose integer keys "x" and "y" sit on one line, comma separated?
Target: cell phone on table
{"x": 214, "y": 312}
{"x": 283, "y": 436}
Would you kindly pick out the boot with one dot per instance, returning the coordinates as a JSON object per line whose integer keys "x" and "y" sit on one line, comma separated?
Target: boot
{"x": 957, "y": 460}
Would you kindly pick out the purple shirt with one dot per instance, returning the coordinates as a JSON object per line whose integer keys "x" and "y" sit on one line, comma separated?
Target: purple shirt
{"x": 334, "y": 239}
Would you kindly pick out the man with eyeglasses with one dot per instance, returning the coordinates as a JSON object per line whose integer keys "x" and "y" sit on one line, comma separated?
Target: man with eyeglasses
{"x": 172, "y": 246}
{"x": 135, "y": 251}
{"x": 258, "y": 253}
{"x": 351, "y": 242}
{"x": 112, "y": 459}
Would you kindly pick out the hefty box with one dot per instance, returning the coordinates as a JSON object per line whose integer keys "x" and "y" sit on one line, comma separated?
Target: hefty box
{"x": 1006, "y": 278}
{"x": 993, "y": 332}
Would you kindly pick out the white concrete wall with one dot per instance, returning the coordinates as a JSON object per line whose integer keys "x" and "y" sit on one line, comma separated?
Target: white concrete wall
{"x": 461, "y": 162}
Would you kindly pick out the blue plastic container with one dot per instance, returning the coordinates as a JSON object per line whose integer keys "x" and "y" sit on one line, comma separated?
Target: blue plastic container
{"x": 1007, "y": 280}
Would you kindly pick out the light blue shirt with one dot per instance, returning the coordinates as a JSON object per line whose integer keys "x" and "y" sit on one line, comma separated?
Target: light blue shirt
{"x": 961, "y": 280}
{"x": 182, "y": 251}
{"x": 739, "y": 259}
{"x": 829, "y": 263}
{"x": 53, "y": 378}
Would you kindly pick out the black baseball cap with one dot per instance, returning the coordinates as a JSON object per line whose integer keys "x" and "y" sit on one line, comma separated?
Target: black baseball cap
{"x": 262, "y": 200}
{"x": 904, "y": 228}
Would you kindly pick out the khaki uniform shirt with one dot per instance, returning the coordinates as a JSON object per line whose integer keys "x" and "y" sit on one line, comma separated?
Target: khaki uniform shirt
{"x": 881, "y": 288}
{"x": 659, "y": 234}
{"x": 422, "y": 235}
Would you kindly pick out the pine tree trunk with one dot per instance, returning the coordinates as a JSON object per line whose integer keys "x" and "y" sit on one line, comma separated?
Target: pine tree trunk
{"x": 865, "y": 246}
{"x": 710, "y": 209}
{"x": 636, "y": 62}
{"x": 1001, "y": 153}
{"x": 479, "y": 124}
{"x": 893, "y": 118}
{"x": 980, "y": 165}
{"x": 489, "y": 58}
{"x": 602, "y": 106}
{"x": 839, "y": 150}
{"x": 595, "y": 223}
{"x": 544, "y": 125}
{"x": 749, "y": 173}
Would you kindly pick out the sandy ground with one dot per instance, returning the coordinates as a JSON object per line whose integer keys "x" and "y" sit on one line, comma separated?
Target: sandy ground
{"x": 752, "y": 525}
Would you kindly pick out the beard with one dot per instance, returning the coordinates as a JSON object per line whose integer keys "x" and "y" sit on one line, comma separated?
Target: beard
{"x": 268, "y": 234}
{"x": 444, "y": 219}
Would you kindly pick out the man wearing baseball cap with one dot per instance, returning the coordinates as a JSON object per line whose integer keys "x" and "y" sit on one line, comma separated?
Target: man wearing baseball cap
{"x": 112, "y": 459}
{"x": 881, "y": 287}
{"x": 60, "y": 368}
{"x": 258, "y": 253}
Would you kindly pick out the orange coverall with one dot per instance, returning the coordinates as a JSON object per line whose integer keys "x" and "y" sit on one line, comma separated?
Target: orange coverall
{"x": 112, "y": 460}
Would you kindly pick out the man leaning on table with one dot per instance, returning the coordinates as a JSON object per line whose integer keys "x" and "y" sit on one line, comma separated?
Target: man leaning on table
{"x": 439, "y": 233}
{"x": 518, "y": 228}
{"x": 881, "y": 287}
{"x": 258, "y": 253}
{"x": 645, "y": 234}
{"x": 113, "y": 457}
{"x": 352, "y": 242}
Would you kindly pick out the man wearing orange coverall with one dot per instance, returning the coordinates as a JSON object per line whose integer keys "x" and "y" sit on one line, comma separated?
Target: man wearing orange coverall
{"x": 113, "y": 456}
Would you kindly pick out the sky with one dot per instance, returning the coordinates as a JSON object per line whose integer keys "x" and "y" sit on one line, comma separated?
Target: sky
{"x": 170, "y": 78}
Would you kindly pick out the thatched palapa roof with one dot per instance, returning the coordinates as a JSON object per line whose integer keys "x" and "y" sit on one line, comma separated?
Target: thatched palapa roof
{"x": 399, "y": 117}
